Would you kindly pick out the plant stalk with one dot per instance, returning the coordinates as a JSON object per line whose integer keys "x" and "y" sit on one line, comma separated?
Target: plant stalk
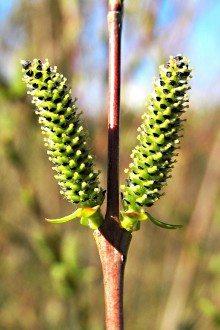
{"x": 112, "y": 241}
{"x": 115, "y": 14}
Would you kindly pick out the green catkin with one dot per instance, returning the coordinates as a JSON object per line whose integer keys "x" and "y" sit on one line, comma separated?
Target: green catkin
{"x": 64, "y": 134}
{"x": 158, "y": 139}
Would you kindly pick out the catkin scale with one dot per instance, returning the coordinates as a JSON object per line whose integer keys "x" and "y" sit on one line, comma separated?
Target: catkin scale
{"x": 64, "y": 134}
{"x": 158, "y": 139}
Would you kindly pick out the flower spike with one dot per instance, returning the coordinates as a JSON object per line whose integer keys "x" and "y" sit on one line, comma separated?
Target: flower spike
{"x": 158, "y": 140}
{"x": 64, "y": 135}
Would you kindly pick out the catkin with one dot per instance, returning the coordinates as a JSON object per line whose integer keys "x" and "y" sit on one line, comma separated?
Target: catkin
{"x": 158, "y": 139}
{"x": 64, "y": 134}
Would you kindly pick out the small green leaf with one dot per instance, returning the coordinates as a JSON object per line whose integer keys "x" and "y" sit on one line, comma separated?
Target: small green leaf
{"x": 134, "y": 215}
{"x": 131, "y": 220}
{"x": 162, "y": 224}
{"x": 76, "y": 214}
{"x": 90, "y": 217}
{"x": 89, "y": 211}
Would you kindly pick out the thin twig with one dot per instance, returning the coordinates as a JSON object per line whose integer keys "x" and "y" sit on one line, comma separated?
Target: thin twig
{"x": 115, "y": 14}
{"x": 112, "y": 241}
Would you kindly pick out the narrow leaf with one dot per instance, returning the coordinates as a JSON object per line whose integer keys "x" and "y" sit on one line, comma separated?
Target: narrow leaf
{"x": 76, "y": 214}
{"x": 162, "y": 224}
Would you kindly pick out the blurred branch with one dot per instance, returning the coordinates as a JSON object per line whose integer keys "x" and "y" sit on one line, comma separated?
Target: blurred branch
{"x": 196, "y": 234}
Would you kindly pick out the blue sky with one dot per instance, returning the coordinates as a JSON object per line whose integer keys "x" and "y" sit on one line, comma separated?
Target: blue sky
{"x": 204, "y": 52}
{"x": 5, "y": 9}
{"x": 202, "y": 47}
{"x": 204, "y": 41}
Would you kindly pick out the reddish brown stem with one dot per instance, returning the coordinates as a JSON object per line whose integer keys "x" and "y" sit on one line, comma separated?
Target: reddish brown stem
{"x": 112, "y": 241}
{"x": 113, "y": 244}
{"x": 114, "y": 29}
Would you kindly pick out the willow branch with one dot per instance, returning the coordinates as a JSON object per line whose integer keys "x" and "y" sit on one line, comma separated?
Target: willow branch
{"x": 113, "y": 241}
{"x": 115, "y": 13}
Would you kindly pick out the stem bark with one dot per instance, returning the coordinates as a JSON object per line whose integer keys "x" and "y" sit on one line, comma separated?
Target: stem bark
{"x": 115, "y": 14}
{"x": 113, "y": 244}
{"x": 112, "y": 241}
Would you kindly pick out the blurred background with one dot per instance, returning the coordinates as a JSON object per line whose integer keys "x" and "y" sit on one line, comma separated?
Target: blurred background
{"x": 50, "y": 275}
